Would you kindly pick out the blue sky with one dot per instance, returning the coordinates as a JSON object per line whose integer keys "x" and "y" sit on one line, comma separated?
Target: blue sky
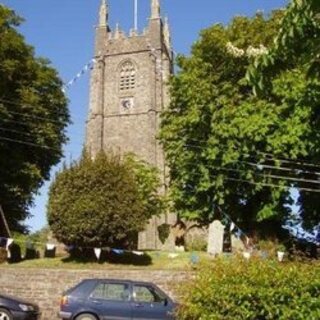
{"x": 63, "y": 31}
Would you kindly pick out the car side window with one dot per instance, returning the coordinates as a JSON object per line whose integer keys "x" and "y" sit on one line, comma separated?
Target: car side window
{"x": 111, "y": 291}
{"x": 142, "y": 293}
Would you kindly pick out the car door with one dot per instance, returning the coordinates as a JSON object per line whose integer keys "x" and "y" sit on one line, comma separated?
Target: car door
{"x": 149, "y": 303}
{"x": 111, "y": 300}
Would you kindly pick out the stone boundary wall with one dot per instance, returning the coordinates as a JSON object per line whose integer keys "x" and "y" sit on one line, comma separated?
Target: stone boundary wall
{"x": 44, "y": 286}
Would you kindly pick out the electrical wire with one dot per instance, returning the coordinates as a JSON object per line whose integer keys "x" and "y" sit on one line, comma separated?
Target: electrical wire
{"x": 252, "y": 155}
{"x": 50, "y": 119}
{"x": 24, "y": 123}
{"x": 29, "y": 144}
{"x": 220, "y": 168}
{"x": 284, "y": 178}
{"x": 27, "y": 134}
{"x": 284, "y": 160}
{"x": 260, "y": 183}
{"x": 262, "y": 166}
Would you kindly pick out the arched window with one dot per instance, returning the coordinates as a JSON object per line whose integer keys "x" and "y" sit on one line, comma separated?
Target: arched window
{"x": 127, "y": 76}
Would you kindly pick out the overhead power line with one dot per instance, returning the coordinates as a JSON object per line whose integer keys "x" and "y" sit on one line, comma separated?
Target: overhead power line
{"x": 256, "y": 165}
{"x": 31, "y": 144}
{"x": 274, "y": 158}
{"x": 284, "y": 178}
{"x": 47, "y": 118}
{"x": 295, "y": 171}
{"x": 263, "y": 184}
{"x": 24, "y": 123}
{"x": 33, "y": 134}
{"x": 261, "y": 166}
{"x": 27, "y": 134}
{"x": 20, "y": 104}
{"x": 297, "y": 162}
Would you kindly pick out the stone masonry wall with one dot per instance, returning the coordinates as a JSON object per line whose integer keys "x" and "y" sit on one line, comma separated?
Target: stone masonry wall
{"x": 44, "y": 286}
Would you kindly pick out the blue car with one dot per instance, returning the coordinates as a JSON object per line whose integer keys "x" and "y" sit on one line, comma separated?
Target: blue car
{"x": 12, "y": 308}
{"x": 106, "y": 299}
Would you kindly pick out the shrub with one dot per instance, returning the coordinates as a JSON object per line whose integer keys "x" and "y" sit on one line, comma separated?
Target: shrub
{"x": 102, "y": 202}
{"x": 236, "y": 289}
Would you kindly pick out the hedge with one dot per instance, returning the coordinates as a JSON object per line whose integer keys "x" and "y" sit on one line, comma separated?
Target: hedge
{"x": 257, "y": 289}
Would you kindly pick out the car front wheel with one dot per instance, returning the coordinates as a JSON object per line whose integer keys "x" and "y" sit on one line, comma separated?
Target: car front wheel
{"x": 5, "y": 315}
{"x": 84, "y": 316}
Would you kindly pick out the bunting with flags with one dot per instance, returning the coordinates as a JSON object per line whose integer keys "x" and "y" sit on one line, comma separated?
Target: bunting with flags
{"x": 97, "y": 252}
{"x": 85, "y": 69}
{"x": 6, "y": 243}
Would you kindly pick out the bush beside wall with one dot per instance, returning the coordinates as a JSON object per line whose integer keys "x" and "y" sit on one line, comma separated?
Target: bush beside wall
{"x": 256, "y": 290}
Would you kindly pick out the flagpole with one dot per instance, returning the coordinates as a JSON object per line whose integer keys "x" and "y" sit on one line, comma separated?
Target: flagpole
{"x": 135, "y": 15}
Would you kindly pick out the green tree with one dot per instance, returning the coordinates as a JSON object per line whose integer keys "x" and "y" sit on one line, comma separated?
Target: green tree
{"x": 223, "y": 144}
{"x": 296, "y": 52}
{"x": 102, "y": 202}
{"x": 297, "y": 43}
{"x": 33, "y": 119}
{"x": 149, "y": 186}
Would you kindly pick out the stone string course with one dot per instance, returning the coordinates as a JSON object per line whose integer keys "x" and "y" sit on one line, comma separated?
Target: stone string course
{"x": 44, "y": 286}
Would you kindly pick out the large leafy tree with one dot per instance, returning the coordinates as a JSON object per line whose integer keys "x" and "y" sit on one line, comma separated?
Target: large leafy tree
{"x": 296, "y": 51}
{"x": 33, "y": 118}
{"x": 297, "y": 43}
{"x": 224, "y": 145}
{"x": 103, "y": 201}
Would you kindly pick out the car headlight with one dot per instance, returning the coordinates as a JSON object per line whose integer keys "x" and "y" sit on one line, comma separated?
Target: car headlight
{"x": 25, "y": 307}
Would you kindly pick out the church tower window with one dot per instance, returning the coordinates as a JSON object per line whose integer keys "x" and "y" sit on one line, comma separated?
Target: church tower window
{"x": 127, "y": 76}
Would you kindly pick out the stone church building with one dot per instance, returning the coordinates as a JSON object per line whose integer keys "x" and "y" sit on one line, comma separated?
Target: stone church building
{"x": 128, "y": 91}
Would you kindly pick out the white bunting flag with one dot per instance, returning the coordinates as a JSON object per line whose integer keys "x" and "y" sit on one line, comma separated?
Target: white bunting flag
{"x": 247, "y": 255}
{"x": 280, "y": 256}
{"x": 138, "y": 253}
{"x": 9, "y": 243}
{"x": 97, "y": 252}
{"x": 180, "y": 248}
{"x": 232, "y": 226}
{"x": 50, "y": 246}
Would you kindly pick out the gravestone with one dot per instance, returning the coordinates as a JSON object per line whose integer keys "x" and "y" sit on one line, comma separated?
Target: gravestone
{"x": 237, "y": 244}
{"x": 215, "y": 239}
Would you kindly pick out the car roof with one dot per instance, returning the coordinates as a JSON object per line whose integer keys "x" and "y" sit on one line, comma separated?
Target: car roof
{"x": 14, "y": 299}
{"x": 118, "y": 280}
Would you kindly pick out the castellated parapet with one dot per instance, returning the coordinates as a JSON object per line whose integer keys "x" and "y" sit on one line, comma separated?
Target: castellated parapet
{"x": 128, "y": 92}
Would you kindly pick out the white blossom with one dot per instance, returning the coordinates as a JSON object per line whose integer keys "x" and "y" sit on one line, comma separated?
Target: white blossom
{"x": 254, "y": 52}
{"x": 250, "y": 52}
{"x": 234, "y": 51}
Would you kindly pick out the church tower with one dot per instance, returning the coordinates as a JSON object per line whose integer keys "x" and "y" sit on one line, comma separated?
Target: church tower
{"x": 128, "y": 92}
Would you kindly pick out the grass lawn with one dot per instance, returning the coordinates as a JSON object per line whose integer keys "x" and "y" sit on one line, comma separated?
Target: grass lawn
{"x": 153, "y": 260}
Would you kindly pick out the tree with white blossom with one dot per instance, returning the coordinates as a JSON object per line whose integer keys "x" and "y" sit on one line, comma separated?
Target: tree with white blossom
{"x": 224, "y": 145}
